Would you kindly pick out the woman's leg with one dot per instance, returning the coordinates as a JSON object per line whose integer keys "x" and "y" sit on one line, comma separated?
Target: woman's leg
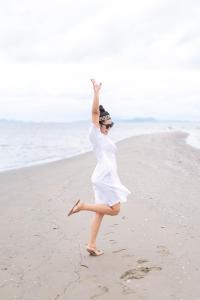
{"x": 95, "y": 225}
{"x": 99, "y": 208}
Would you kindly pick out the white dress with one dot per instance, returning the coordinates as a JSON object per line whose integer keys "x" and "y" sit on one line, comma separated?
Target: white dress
{"x": 106, "y": 183}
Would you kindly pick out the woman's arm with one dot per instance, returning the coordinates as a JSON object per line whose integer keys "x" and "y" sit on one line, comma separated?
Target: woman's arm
{"x": 95, "y": 104}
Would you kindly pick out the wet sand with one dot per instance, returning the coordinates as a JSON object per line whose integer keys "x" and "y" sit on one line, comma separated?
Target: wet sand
{"x": 151, "y": 249}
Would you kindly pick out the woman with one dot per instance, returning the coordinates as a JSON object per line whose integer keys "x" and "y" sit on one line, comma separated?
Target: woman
{"x": 108, "y": 189}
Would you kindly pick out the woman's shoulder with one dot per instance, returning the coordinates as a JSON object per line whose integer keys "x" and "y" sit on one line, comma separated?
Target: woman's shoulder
{"x": 95, "y": 134}
{"x": 95, "y": 125}
{"x": 95, "y": 128}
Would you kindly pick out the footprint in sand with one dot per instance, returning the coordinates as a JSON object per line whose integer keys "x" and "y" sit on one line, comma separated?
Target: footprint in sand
{"x": 101, "y": 291}
{"x": 126, "y": 290}
{"x": 142, "y": 260}
{"x": 128, "y": 255}
{"x": 163, "y": 250}
{"x": 138, "y": 272}
{"x": 108, "y": 232}
{"x": 119, "y": 250}
{"x": 113, "y": 241}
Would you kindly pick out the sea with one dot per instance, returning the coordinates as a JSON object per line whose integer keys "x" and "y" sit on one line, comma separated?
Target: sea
{"x": 24, "y": 144}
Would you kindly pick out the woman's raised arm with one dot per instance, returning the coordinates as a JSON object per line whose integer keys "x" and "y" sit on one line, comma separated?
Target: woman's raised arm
{"x": 95, "y": 104}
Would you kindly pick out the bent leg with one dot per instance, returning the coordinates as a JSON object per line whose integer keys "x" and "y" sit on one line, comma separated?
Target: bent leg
{"x": 101, "y": 208}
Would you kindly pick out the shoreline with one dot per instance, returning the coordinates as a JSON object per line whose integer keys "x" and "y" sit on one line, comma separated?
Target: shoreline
{"x": 77, "y": 155}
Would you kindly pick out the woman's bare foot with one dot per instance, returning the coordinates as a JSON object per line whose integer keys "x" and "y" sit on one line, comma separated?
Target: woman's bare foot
{"x": 94, "y": 251}
{"x": 91, "y": 246}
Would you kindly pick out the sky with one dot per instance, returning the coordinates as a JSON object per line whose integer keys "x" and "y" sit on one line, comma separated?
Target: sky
{"x": 146, "y": 53}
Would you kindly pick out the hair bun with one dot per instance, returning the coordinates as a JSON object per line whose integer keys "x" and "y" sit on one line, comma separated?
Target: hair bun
{"x": 101, "y": 108}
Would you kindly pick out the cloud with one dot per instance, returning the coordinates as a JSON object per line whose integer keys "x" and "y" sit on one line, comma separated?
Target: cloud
{"x": 142, "y": 50}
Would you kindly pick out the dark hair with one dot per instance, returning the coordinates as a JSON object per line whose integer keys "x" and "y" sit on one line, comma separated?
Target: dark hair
{"x": 103, "y": 112}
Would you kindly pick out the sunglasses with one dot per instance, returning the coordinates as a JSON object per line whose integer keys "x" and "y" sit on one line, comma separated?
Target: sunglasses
{"x": 108, "y": 125}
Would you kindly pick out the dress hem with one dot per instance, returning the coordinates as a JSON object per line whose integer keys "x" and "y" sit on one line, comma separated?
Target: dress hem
{"x": 110, "y": 204}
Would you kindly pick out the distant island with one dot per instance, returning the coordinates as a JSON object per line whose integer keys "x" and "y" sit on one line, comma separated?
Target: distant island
{"x": 135, "y": 120}
{"x": 149, "y": 119}
{"x": 140, "y": 120}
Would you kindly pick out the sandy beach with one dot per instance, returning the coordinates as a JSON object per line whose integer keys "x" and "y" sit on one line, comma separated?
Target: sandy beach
{"x": 151, "y": 248}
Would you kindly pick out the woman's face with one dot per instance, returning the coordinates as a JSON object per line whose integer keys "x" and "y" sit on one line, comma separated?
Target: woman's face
{"x": 103, "y": 128}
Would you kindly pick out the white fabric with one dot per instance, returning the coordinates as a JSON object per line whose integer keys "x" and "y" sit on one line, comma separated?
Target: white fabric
{"x": 106, "y": 184}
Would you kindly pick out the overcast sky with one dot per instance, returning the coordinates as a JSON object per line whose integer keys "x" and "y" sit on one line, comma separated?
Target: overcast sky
{"x": 146, "y": 53}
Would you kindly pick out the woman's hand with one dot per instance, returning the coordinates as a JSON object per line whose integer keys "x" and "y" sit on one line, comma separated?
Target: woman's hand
{"x": 96, "y": 86}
